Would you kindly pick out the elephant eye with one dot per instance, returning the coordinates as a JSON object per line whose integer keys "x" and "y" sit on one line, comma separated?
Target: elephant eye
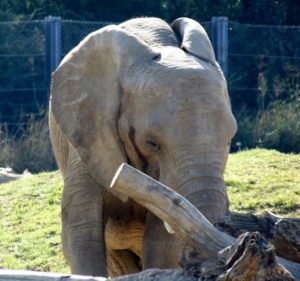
{"x": 156, "y": 57}
{"x": 153, "y": 146}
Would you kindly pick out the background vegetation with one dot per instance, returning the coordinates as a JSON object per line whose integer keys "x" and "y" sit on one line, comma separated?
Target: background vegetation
{"x": 28, "y": 148}
{"x": 279, "y": 12}
{"x": 264, "y": 61}
{"x": 257, "y": 180}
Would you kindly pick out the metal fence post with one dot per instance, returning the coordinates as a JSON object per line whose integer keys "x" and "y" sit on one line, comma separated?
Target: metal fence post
{"x": 53, "y": 45}
{"x": 220, "y": 41}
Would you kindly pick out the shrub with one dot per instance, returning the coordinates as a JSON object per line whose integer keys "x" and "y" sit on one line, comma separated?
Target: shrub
{"x": 279, "y": 126}
{"x": 245, "y": 136}
{"x": 28, "y": 148}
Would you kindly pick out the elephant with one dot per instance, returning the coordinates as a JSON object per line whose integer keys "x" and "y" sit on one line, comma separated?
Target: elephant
{"x": 151, "y": 95}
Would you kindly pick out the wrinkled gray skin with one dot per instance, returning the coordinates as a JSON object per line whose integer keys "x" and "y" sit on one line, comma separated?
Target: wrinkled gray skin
{"x": 150, "y": 95}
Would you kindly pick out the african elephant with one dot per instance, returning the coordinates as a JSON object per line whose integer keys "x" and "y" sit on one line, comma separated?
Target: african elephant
{"x": 151, "y": 95}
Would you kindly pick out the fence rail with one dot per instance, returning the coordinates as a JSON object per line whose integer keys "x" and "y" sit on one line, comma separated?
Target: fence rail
{"x": 260, "y": 62}
{"x": 22, "y": 275}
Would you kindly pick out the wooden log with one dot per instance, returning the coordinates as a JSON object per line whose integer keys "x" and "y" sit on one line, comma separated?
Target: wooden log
{"x": 186, "y": 220}
{"x": 236, "y": 224}
{"x": 283, "y": 233}
{"x": 147, "y": 275}
{"x": 252, "y": 258}
{"x": 292, "y": 267}
{"x": 157, "y": 275}
{"x": 287, "y": 238}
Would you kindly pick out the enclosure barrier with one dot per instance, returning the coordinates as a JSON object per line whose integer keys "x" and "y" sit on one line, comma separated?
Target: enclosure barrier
{"x": 259, "y": 61}
{"x": 22, "y": 275}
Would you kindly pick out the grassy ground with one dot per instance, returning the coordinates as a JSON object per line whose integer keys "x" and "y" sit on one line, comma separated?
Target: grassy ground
{"x": 257, "y": 180}
{"x": 30, "y": 224}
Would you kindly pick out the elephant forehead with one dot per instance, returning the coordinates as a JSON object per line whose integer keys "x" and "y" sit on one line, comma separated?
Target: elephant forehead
{"x": 178, "y": 70}
{"x": 182, "y": 91}
{"x": 175, "y": 102}
{"x": 176, "y": 59}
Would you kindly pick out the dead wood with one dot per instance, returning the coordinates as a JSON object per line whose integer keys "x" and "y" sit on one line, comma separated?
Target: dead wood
{"x": 283, "y": 233}
{"x": 287, "y": 239}
{"x": 186, "y": 220}
{"x": 158, "y": 274}
{"x": 250, "y": 257}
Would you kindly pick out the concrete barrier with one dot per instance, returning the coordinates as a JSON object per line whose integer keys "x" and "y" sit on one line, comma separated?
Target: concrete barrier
{"x": 22, "y": 275}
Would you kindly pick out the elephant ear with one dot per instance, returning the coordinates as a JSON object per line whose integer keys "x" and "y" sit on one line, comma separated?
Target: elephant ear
{"x": 194, "y": 39}
{"x": 86, "y": 93}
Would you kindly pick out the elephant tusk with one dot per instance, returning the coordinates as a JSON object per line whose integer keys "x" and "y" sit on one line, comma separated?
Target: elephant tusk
{"x": 169, "y": 228}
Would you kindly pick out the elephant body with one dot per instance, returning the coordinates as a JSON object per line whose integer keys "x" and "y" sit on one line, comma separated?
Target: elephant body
{"x": 151, "y": 95}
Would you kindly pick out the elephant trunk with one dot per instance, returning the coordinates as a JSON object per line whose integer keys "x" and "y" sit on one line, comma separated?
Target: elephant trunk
{"x": 208, "y": 195}
{"x": 204, "y": 187}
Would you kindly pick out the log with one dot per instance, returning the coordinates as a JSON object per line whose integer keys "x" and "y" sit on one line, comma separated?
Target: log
{"x": 286, "y": 238}
{"x": 283, "y": 233}
{"x": 157, "y": 275}
{"x": 252, "y": 258}
{"x": 147, "y": 275}
{"x": 186, "y": 220}
{"x": 190, "y": 225}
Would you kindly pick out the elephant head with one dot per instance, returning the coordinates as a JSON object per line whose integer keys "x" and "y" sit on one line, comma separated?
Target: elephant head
{"x": 161, "y": 107}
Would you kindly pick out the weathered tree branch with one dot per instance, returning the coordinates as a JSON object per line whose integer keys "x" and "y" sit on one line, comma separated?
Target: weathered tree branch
{"x": 283, "y": 233}
{"x": 187, "y": 222}
{"x": 192, "y": 227}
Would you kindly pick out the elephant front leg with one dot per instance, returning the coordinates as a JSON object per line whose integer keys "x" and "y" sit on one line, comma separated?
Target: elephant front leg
{"x": 160, "y": 248}
{"x": 82, "y": 225}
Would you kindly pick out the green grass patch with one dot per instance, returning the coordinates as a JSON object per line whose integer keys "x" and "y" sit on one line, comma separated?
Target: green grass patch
{"x": 30, "y": 224}
{"x": 264, "y": 180}
{"x": 30, "y": 228}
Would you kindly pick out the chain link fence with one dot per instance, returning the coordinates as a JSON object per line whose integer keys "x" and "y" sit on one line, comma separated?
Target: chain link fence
{"x": 263, "y": 63}
{"x": 23, "y": 88}
{"x": 25, "y": 63}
